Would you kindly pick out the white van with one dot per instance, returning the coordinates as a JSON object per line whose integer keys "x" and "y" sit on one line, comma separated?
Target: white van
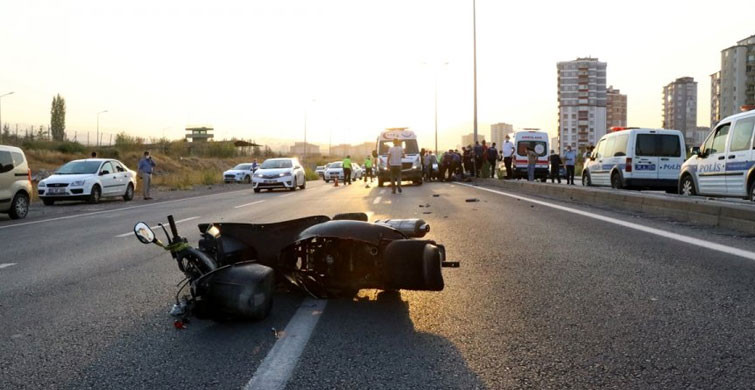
{"x": 539, "y": 142}
{"x": 725, "y": 163}
{"x": 631, "y": 157}
{"x": 15, "y": 182}
{"x": 411, "y": 165}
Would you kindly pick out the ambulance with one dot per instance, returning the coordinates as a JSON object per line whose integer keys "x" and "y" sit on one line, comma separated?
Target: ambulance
{"x": 537, "y": 141}
{"x": 411, "y": 164}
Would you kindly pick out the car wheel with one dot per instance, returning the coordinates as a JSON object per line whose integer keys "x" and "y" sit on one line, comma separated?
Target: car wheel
{"x": 751, "y": 194}
{"x": 129, "y": 195}
{"x": 256, "y": 190}
{"x": 96, "y": 194}
{"x": 616, "y": 181}
{"x": 19, "y": 207}
{"x": 247, "y": 179}
{"x": 304, "y": 184}
{"x": 48, "y": 202}
{"x": 293, "y": 187}
{"x": 586, "y": 181}
{"x": 687, "y": 188}
{"x": 327, "y": 181}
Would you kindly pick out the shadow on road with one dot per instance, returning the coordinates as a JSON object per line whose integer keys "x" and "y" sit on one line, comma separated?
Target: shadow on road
{"x": 371, "y": 342}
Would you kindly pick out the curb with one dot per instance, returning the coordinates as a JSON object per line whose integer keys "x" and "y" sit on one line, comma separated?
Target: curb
{"x": 698, "y": 211}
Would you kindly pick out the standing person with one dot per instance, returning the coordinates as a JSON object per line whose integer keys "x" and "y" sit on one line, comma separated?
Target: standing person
{"x": 395, "y": 154}
{"x": 492, "y": 159}
{"x": 431, "y": 170}
{"x": 477, "y": 156}
{"x": 254, "y": 165}
{"x": 146, "y": 166}
{"x": 508, "y": 153}
{"x": 428, "y": 163}
{"x": 368, "y": 168}
{"x": 555, "y": 167}
{"x": 531, "y": 161}
{"x": 346, "y": 164}
{"x": 457, "y": 169}
{"x": 570, "y": 159}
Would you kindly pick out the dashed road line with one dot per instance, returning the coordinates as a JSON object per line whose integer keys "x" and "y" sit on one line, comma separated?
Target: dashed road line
{"x": 248, "y": 204}
{"x": 155, "y": 227}
{"x": 6, "y": 265}
{"x": 278, "y": 366}
{"x": 377, "y": 200}
{"x": 658, "y": 232}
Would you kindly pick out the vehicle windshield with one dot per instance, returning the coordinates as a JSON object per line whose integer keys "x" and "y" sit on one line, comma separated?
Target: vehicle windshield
{"x": 409, "y": 145}
{"x": 276, "y": 164}
{"x": 539, "y": 147}
{"x": 79, "y": 168}
{"x": 243, "y": 167}
{"x": 334, "y": 165}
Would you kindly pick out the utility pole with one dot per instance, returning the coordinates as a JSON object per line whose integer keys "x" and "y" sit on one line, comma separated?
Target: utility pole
{"x": 1, "y": 109}
{"x": 474, "y": 43}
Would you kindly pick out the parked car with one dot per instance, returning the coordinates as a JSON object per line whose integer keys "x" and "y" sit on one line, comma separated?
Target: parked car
{"x": 320, "y": 170}
{"x": 90, "y": 180}
{"x": 358, "y": 171}
{"x": 631, "y": 157}
{"x": 15, "y": 182}
{"x": 335, "y": 169}
{"x": 241, "y": 173}
{"x": 279, "y": 173}
{"x": 725, "y": 163}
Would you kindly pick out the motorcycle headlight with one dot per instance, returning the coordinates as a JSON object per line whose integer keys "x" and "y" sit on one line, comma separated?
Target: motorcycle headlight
{"x": 77, "y": 183}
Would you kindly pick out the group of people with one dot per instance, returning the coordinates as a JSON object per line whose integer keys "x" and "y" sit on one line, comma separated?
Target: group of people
{"x": 569, "y": 160}
{"x": 459, "y": 165}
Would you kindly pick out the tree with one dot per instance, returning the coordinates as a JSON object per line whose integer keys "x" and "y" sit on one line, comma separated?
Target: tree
{"x": 58, "y": 118}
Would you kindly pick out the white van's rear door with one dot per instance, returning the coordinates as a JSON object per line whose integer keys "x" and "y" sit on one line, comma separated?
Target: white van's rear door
{"x": 645, "y": 162}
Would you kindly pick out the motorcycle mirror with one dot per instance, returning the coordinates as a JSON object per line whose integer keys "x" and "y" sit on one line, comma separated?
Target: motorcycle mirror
{"x": 144, "y": 233}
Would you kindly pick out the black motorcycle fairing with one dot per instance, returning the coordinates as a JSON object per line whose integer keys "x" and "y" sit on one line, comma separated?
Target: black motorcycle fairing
{"x": 235, "y": 242}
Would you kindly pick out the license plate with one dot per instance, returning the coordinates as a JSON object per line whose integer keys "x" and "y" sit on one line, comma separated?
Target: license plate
{"x": 271, "y": 181}
{"x": 57, "y": 190}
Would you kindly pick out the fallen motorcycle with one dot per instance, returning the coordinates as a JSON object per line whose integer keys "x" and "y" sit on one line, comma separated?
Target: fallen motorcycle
{"x": 234, "y": 270}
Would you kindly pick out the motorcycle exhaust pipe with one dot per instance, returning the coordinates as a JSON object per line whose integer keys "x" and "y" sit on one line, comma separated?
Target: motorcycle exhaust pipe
{"x": 412, "y": 228}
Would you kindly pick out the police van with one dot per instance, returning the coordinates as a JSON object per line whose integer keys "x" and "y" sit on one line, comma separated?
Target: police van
{"x": 631, "y": 157}
{"x": 537, "y": 141}
{"x": 411, "y": 165}
{"x": 725, "y": 163}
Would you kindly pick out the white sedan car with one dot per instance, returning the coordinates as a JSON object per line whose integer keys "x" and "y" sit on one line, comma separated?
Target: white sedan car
{"x": 241, "y": 173}
{"x": 89, "y": 180}
{"x": 279, "y": 173}
{"x": 335, "y": 169}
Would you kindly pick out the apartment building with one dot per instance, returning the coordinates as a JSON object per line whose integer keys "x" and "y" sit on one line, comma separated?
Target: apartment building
{"x": 734, "y": 85}
{"x": 499, "y": 131}
{"x": 680, "y": 107}
{"x": 582, "y": 102}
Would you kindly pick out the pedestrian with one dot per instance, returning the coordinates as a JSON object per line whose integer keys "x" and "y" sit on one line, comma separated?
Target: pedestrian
{"x": 477, "y": 156}
{"x": 146, "y": 166}
{"x": 254, "y": 165}
{"x": 368, "y": 168}
{"x": 346, "y": 164}
{"x": 433, "y": 163}
{"x": 395, "y": 155}
{"x": 428, "y": 163}
{"x": 94, "y": 155}
{"x": 456, "y": 164}
{"x": 555, "y": 167}
{"x": 508, "y": 153}
{"x": 531, "y": 161}
{"x": 492, "y": 159}
{"x": 570, "y": 159}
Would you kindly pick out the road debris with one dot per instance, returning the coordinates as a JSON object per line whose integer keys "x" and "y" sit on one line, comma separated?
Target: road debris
{"x": 471, "y": 200}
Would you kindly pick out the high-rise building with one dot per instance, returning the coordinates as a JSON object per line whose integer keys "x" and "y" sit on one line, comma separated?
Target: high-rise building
{"x": 499, "y": 131}
{"x": 581, "y": 102}
{"x": 468, "y": 139}
{"x": 735, "y": 83}
{"x": 616, "y": 108}
{"x": 680, "y": 106}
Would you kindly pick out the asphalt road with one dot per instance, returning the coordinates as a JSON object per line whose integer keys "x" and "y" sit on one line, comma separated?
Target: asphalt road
{"x": 545, "y": 298}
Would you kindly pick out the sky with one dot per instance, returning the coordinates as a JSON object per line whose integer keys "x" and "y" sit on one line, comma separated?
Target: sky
{"x": 257, "y": 69}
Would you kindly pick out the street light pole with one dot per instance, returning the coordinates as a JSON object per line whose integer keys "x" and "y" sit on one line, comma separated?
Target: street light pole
{"x": 436, "y": 109}
{"x": 1, "y": 109}
{"x": 474, "y": 43}
{"x": 98, "y": 126}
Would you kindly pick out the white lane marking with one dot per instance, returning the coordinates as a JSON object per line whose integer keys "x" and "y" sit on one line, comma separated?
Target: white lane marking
{"x": 658, "y": 232}
{"x": 155, "y": 227}
{"x": 382, "y": 191}
{"x": 118, "y": 209}
{"x": 248, "y": 204}
{"x": 283, "y": 196}
{"x": 6, "y": 265}
{"x": 278, "y": 366}
{"x": 377, "y": 200}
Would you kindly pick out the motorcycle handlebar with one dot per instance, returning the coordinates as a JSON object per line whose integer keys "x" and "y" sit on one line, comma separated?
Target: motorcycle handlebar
{"x": 173, "y": 229}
